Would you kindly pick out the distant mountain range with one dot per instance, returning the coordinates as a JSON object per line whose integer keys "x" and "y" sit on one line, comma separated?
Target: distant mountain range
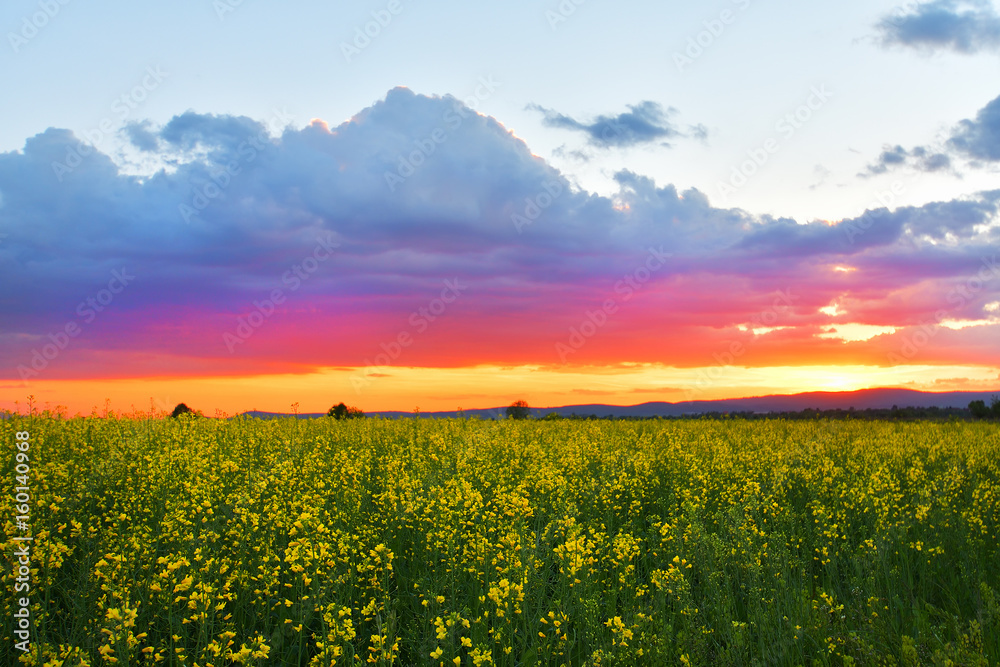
{"x": 818, "y": 400}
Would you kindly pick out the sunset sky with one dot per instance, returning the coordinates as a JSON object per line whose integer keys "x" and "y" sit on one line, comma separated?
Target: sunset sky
{"x": 245, "y": 205}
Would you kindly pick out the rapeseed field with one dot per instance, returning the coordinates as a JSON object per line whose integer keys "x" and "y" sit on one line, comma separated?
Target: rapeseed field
{"x": 210, "y": 542}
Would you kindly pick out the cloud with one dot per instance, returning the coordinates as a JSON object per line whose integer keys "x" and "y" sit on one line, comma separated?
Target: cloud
{"x": 191, "y": 130}
{"x": 822, "y": 175}
{"x": 964, "y": 27}
{"x": 920, "y": 158}
{"x": 979, "y": 138}
{"x": 140, "y": 136}
{"x": 976, "y": 141}
{"x": 957, "y": 218}
{"x": 645, "y": 122}
{"x": 417, "y": 190}
{"x": 890, "y": 157}
{"x": 578, "y": 155}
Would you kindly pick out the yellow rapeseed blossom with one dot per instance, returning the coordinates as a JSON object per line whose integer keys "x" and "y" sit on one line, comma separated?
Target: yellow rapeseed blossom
{"x": 561, "y": 542}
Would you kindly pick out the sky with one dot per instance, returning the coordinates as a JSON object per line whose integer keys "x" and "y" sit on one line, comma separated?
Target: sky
{"x": 396, "y": 204}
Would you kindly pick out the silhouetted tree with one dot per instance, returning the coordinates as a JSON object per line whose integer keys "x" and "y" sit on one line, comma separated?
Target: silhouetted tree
{"x": 995, "y": 407}
{"x": 181, "y": 409}
{"x": 341, "y": 411}
{"x": 518, "y": 410}
{"x": 979, "y": 409}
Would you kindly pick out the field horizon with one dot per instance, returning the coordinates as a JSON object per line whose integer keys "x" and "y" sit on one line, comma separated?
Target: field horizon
{"x": 861, "y": 399}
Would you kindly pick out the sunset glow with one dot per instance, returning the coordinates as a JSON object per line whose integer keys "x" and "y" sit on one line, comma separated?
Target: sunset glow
{"x": 666, "y": 237}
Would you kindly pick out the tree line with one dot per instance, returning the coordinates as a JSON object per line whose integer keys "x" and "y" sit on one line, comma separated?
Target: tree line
{"x": 977, "y": 410}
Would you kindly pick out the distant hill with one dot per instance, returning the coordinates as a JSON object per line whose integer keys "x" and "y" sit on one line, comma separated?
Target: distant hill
{"x": 819, "y": 400}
